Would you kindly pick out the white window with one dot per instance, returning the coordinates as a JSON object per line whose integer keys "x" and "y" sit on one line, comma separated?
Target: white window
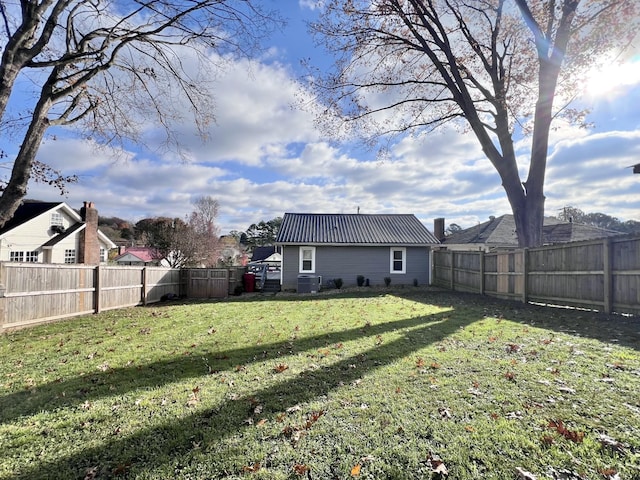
{"x": 70, "y": 256}
{"x": 31, "y": 257}
{"x": 307, "y": 259}
{"x": 398, "y": 259}
{"x": 103, "y": 255}
{"x": 56, "y": 219}
{"x": 16, "y": 256}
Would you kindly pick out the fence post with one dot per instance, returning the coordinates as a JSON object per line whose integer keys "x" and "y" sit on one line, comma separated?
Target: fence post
{"x": 3, "y": 289}
{"x": 525, "y": 275}
{"x": 607, "y": 268}
{"x": 96, "y": 288}
{"x": 453, "y": 284}
{"x": 143, "y": 293}
{"x": 482, "y": 272}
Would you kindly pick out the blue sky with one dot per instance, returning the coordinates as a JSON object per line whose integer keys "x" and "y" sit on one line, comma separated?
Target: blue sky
{"x": 264, "y": 157}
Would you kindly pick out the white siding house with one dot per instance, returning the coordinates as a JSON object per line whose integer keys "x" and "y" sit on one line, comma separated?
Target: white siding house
{"x": 53, "y": 233}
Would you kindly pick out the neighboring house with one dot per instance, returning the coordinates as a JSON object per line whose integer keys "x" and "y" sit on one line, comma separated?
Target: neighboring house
{"x": 54, "y": 233}
{"x": 270, "y": 255}
{"x": 138, "y": 256}
{"x": 329, "y": 246}
{"x": 500, "y": 233}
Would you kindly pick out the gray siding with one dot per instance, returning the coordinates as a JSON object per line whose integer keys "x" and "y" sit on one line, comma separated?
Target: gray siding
{"x": 349, "y": 262}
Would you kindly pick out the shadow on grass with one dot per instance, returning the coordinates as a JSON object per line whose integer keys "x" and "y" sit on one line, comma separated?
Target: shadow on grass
{"x": 118, "y": 381}
{"x": 167, "y": 441}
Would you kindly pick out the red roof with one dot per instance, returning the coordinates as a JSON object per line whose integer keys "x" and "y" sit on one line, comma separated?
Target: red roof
{"x": 145, "y": 254}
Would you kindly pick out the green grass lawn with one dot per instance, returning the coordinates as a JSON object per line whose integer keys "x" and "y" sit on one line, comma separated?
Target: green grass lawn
{"x": 400, "y": 384}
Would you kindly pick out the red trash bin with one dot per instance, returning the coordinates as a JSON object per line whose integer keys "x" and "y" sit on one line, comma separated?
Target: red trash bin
{"x": 249, "y": 280}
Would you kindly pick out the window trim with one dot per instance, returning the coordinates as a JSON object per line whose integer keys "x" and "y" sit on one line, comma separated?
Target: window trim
{"x": 67, "y": 256}
{"x": 57, "y": 219}
{"x": 16, "y": 256}
{"x": 392, "y": 260}
{"x": 301, "y": 259}
{"x": 32, "y": 256}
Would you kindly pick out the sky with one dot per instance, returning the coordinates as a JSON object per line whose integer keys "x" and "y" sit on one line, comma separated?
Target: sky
{"x": 264, "y": 157}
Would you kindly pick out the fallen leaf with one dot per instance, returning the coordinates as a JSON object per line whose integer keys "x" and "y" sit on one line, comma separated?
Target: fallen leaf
{"x": 444, "y": 412}
{"x": 251, "y": 468}
{"x": 91, "y": 473}
{"x": 281, "y": 367}
{"x": 121, "y": 469}
{"x": 524, "y": 475}
{"x": 567, "y": 390}
{"x": 572, "y": 435}
{"x": 299, "y": 469}
{"x": 607, "y": 441}
{"x": 436, "y": 465}
{"x": 513, "y": 348}
{"x": 355, "y": 471}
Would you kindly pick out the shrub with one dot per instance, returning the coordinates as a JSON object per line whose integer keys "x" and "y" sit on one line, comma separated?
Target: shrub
{"x": 366, "y": 283}
{"x": 387, "y": 281}
{"x": 415, "y": 282}
{"x": 360, "y": 280}
{"x": 337, "y": 282}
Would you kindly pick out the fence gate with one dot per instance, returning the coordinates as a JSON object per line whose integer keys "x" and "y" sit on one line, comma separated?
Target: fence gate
{"x": 206, "y": 282}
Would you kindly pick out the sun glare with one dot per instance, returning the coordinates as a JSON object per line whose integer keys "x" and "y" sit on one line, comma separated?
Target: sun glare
{"x": 610, "y": 80}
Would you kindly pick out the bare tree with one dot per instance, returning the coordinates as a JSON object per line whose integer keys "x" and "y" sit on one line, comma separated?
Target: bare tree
{"x": 193, "y": 242}
{"x": 112, "y": 69}
{"x": 494, "y": 66}
{"x": 205, "y": 231}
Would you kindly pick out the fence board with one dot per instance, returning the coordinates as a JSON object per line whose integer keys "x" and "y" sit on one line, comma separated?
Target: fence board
{"x": 32, "y": 293}
{"x": 602, "y": 274}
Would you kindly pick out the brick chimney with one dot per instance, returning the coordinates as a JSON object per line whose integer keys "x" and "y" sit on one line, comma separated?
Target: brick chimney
{"x": 438, "y": 228}
{"x": 89, "y": 247}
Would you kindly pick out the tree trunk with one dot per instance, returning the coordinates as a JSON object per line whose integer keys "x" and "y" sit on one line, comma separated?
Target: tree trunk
{"x": 16, "y": 188}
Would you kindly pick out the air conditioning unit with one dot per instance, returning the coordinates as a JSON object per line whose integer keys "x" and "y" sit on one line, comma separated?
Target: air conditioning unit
{"x": 309, "y": 283}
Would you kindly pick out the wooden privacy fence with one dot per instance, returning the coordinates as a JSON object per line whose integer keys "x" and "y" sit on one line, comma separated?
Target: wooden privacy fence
{"x": 33, "y": 293}
{"x": 601, "y": 275}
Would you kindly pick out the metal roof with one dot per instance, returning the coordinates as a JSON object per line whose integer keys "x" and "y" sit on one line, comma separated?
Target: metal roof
{"x": 353, "y": 229}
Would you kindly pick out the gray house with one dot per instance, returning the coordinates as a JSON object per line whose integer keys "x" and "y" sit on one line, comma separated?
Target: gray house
{"x": 318, "y": 248}
{"x": 500, "y": 233}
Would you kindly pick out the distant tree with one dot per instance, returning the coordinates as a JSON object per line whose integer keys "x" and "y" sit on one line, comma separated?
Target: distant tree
{"x": 597, "y": 219}
{"x": 184, "y": 243}
{"x": 571, "y": 214}
{"x": 164, "y": 235}
{"x": 113, "y": 233}
{"x": 241, "y": 237}
{"x": 631, "y": 226}
{"x": 109, "y": 68}
{"x": 263, "y": 233}
{"x": 495, "y": 67}
{"x": 206, "y": 233}
{"x": 453, "y": 228}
